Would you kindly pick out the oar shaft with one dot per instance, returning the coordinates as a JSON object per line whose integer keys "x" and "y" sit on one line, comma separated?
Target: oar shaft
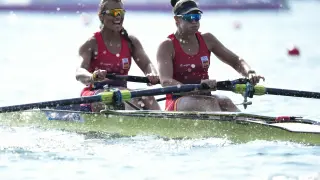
{"x": 111, "y": 97}
{"x": 261, "y": 90}
{"x": 166, "y": 90}
{"x": 138, "y": 79}
{"x": 292, "y": 93}
{"x": 115, "y": 97}
{"x": 48, "y": 104}
{"x": 106, "y": 97}
{"x": 221, "y": 85}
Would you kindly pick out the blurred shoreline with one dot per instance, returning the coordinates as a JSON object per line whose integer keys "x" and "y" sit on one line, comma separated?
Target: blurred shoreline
{"x": 138, "y": 5}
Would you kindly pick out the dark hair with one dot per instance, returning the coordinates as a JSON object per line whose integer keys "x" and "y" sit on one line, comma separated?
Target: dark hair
{"x": 123, "y": 32}
{"x": 173, "y": 2}
{"x": 184, "y": 6}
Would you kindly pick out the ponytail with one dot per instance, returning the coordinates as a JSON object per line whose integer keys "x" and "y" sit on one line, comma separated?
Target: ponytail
{"x": 124, "y": 33}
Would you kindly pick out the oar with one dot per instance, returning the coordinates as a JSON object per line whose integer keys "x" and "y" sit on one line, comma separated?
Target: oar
{"x": 138, "y": 79}
{"x": 258, "y": 90}
{"x": 115, "y": 97}
{"x": 109, "y": 97}
{"x": 261, "y": 90}
{"x": 248, "y": 90}
{"x": 292, "y": 93}
{"x": 130, "y": 78}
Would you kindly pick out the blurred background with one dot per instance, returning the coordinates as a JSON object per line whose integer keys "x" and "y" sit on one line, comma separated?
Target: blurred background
{"x": 140, "y": 5}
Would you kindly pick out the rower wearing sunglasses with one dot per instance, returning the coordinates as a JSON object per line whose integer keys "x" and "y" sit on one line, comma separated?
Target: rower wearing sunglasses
{"x": 184, "y": 58}
{"x": 111, "y": 50}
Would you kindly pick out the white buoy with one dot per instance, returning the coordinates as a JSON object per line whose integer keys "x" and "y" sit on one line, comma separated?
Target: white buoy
{"x": 86, "y": 18}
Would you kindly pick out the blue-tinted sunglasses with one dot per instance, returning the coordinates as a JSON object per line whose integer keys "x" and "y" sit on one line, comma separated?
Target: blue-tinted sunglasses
{"x": 191, "y": 17}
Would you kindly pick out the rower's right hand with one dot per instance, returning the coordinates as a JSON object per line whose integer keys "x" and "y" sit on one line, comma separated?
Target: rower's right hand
{"x": 99, "y": 75}
{"x": 153, "y": 79}
{"x": 209, "y": 83}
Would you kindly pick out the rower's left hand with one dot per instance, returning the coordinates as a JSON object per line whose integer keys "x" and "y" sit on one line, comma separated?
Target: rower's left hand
{"x": 154, "y": 79}
{"x": 254, "y": 79}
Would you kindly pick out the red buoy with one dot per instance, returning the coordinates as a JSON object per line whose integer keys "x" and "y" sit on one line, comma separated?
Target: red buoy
{"x": 293, "y": 51}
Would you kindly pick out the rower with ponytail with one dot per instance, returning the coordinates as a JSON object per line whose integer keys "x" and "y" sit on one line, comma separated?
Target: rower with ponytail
{"x": 111, "y": 50}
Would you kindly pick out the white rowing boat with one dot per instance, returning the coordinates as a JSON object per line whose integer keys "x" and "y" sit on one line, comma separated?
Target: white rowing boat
{"x": 237, "y": 127}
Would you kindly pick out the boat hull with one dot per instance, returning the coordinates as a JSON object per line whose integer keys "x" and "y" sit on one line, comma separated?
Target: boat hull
{"x": 237, "y": 127}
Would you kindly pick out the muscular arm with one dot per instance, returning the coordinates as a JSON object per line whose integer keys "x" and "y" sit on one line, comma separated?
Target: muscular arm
{"x": 225, "y": 55}
{"x": 165, "y": 55}
{"x": 141, "y": 58}
{"x": 85, "y": 53}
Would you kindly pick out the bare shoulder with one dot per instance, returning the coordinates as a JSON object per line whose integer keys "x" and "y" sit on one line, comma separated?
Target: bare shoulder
{"x": 166, "y": 44}
{"x": 134, "y": 39}
{"x": 88, "y": 46}
{"x": 208, "y": 36}
{"x": 210, "y": 40}
{"x": 165, "y": 50}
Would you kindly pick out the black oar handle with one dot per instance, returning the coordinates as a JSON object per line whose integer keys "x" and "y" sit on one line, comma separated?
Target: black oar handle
{"x": 221, "y": 85}
{"x": 138, "y": 79}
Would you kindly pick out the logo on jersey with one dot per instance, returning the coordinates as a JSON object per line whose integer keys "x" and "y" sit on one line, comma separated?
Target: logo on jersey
{"x": 125, "y": 63}
{"x": 185, "y": 65}
{"x": 205, "y": 61}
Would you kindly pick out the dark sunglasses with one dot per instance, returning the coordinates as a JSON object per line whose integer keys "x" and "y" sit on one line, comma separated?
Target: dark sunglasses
{"x": 191, "y": 17}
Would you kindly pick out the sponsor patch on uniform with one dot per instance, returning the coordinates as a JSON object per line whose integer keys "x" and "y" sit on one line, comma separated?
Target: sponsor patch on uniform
{"x": 205, "y": 61}
{"x": 125, "y": 63}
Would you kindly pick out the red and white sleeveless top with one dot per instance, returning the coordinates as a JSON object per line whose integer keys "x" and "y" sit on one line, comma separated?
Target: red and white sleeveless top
{"x": 189, "y": 69}
{"x": 114, "y": 63}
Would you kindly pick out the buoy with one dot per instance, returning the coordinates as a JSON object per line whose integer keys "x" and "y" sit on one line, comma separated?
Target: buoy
{"x": 86, "y": 19}
{"x": 293, "y": 51}
{"x": 237, "y": 24}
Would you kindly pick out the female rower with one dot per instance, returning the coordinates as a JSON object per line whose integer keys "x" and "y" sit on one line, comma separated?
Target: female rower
{"x": 110, "y": 50}
{"x": 184, "y": 58}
